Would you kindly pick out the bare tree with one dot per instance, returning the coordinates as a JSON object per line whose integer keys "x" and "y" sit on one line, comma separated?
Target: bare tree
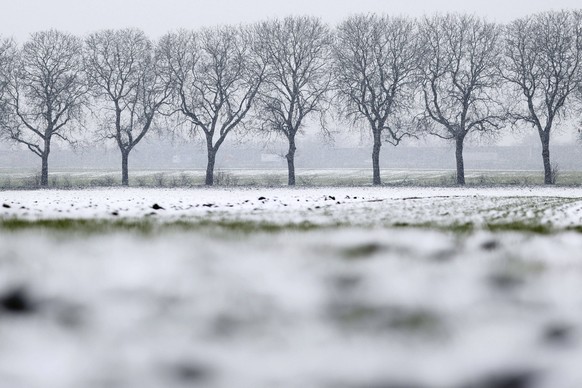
{"x": 460, "y": 79}
{"x": 122, "y": 71}
{"x": 7, "y": 56}
{"x": 375, "y": 65}
{"x": 47, "y": 92}
{"x": 543, "y": 55}
{"x": 578, "y": 90}
{"x": 216, "y": 75}
{"x": 297, "y": 51}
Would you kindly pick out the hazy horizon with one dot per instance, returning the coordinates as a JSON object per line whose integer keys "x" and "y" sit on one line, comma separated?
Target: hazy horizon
{"x": 20, "y": 18}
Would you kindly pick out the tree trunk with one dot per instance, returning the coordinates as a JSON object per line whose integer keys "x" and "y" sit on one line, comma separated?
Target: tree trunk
{"x": 44, "y": 170}
{"x": 460, "y": 161}
{"x": 124, "y": 168}
{"x": 291, "y": 161}
{"x": 210, "y": 167}
{"x": 377, "y": 181}
{"x": 548, "y": 176}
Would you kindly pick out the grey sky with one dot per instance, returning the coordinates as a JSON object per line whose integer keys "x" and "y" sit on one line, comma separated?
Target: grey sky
{"x": 18, "y": 18}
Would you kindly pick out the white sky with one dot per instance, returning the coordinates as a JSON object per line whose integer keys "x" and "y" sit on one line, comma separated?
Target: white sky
{"x": 18, "y": 18}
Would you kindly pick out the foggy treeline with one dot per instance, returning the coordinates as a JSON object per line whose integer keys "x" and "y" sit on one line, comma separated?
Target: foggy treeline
{"x": 448, "y": 76}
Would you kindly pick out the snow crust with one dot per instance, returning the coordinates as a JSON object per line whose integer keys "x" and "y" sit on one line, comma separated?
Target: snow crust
{"x": 321, "y": 206}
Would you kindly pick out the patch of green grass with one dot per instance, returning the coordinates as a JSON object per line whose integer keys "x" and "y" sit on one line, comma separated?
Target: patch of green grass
{"x": 514, "y": 226}
{"x": 361, "y": 251}
{"x": 149, "y": 226}
{"x": 463, "y": 228}
{"x": 84, "y": 226}
{"x": 575, "y": 228}
{"x": 414, "y": 320}
{"x": 247, "y": 227}
{"x": 381, "y": 318}
{"x": 519, "y": 226}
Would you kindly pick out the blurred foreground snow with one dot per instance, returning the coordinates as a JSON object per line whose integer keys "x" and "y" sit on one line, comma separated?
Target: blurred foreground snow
{"x": 359, "y": 306}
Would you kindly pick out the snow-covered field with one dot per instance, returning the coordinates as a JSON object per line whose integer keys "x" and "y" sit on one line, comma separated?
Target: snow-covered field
{"x": 326, "y": 288}
{"x": 365, "y": 206}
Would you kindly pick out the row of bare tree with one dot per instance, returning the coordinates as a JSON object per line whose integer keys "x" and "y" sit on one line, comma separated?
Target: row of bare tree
{"x": 449, "y": 76}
